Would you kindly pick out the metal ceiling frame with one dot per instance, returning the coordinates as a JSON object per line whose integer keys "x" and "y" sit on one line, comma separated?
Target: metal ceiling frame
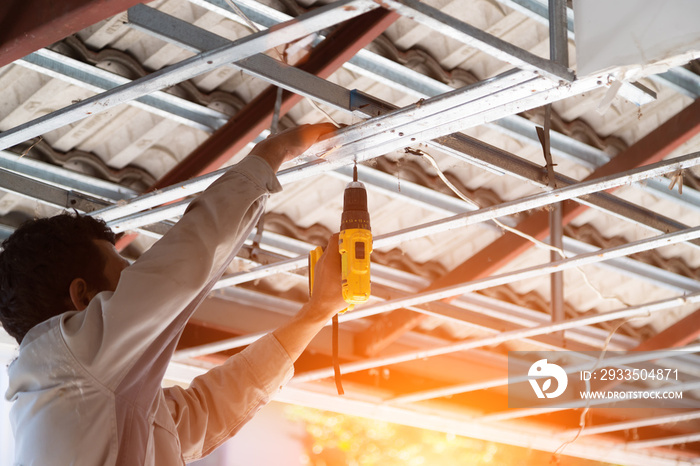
{"x": 256, "y": 116}
{"x": 615, "y": 361}
{"x": 441, "y": 116}
{"x": 321, "y": 18}
{"x": 58, "y": 63}
{"x": 653, "y": 147}
{"x": 211, "y": 349}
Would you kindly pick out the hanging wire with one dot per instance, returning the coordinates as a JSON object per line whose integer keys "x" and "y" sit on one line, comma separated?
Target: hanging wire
{"x": 515, "y": 231}
{"x": 589, "y": 399}
{"x": 240, "y": 13}
{"x": 677, "y": 178}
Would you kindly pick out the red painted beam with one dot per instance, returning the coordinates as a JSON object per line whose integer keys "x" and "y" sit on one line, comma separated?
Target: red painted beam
{"x": 650, "y": 149}
{"x": 679, "y": 334}
{"x": 256, "y": 116}
{"x": 28, "y": 25}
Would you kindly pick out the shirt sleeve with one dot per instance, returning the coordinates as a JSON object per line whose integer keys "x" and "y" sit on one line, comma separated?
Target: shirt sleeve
{"x": 218, "y": 403}
{"x": 132, "y": 332}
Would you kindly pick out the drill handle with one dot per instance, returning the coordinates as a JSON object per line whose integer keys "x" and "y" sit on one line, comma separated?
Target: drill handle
{"x": 314, "y": 256}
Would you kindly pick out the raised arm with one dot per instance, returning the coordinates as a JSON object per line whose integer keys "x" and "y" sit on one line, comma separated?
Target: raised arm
{"x": 140, "y": 322}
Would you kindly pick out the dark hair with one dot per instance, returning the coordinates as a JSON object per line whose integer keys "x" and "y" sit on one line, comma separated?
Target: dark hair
{"x": 39, "y": 262}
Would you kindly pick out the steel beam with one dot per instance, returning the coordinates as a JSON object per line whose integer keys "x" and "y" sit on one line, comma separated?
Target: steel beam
{"x": 257, "y": 115}
{"x": 47, "y": 193}
{"x": 591, "y": 364}
{"x": 634, "y": 424}
{"x": 521, "y": 413}
{"x": 469, "y": 35}
{"x": 681, "y": 80}
{"x": 633, "y": 311}
{"x": 195, "y": 39}
{"x": 663, "y": 442}
{"x": 302, "y": 26}
{"x": 28, "y": 25}
{"x": 90, "y": 77}
{"x": 558, "y": 53}
{"x": 52, "y": 174}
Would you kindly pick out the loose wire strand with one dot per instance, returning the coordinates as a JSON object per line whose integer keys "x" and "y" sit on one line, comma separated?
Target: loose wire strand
{"x": 240, "y": 13}
{"x": 589, "y": 399}
{"x": 318, "y": 107}
{"x": 515, "y": 231}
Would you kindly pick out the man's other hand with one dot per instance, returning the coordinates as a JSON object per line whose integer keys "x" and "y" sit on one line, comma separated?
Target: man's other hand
{"x": 290, "y": 143}
{"x": 327, "y": 297}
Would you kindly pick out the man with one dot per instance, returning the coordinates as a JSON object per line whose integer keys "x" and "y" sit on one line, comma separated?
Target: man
{"x": 96, "y": 336}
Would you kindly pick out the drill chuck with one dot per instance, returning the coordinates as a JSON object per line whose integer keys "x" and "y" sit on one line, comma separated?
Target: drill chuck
{"x": 355, "y": 214}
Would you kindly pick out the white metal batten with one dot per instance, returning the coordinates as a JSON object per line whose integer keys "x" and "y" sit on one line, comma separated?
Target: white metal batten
{"x": 300, "y": 27}
{"x": 531, "y": 272}
{"x": 198, "y": 40}
{"x": 625, "y": 425}
{"x": 352, "y": 144}
{"x": 634, "y": 311}
{"x": 527, "y": 412}
{"x": 539, "y": 200}
{"x": 392, "y": 125}
{"x": 480, "y": 40}
{"x": 474, "y": 303}
{"x": 571, "y": 369}
{"x": 445, "y": 311}
{"x": 66, "y": 178}
{"x": 90, "y": 77}
{"x": 46, "y": 193}
{"x": 663, "y": 442}
{"x": 149, "y": 217}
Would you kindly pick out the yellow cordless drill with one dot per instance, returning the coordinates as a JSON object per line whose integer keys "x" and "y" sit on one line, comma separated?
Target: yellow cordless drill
{"x": 355, "y": 246}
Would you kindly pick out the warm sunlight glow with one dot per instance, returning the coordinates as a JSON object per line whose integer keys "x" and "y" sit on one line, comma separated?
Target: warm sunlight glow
{"x": 337, "y": 439}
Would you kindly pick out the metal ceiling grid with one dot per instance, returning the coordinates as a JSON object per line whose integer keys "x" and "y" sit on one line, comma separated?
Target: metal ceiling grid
{"x": 159, "y": 129}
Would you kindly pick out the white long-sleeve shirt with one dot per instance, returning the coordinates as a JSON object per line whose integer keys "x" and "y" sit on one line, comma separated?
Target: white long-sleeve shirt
{"x": 86, "y": 386}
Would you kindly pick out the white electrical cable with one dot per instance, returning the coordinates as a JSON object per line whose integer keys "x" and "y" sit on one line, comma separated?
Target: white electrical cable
{"x": 532, "y": 239}
{"x": 240, "y": 13}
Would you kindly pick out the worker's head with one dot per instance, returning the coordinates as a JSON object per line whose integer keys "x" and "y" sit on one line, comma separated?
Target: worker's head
{"x": 52, "y": 265}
